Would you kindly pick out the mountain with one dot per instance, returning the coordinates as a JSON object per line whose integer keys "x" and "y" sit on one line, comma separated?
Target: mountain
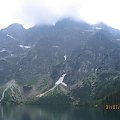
{"x": 56, "y": 96}
{"x": 37, "y": 59}
{"x": 15, "y": 30}
{"x": 114, "y": 32}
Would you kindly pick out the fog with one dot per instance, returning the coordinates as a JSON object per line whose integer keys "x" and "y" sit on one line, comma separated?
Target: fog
{"x": 32, "y": 12}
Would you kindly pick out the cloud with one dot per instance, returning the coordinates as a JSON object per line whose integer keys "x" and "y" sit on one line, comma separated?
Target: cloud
{"x": 92, "y": 11}
{"x": 31, "y": 12}
{"x": 9, "y": 10}
{"x": 49, "y": 11}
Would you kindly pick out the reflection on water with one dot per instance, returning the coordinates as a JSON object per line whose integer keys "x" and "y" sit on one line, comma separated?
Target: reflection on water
{"x": 55, "y": 113}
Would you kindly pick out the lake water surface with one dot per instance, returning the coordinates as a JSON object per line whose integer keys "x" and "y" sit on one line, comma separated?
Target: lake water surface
{"x": 23, "y": 112}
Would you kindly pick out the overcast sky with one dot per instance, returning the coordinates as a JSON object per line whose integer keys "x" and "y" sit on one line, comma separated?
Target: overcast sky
{"x": 31, "y": 12}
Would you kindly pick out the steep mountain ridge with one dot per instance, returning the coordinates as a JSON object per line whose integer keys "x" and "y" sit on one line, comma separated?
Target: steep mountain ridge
{"x": 89, "y": 55}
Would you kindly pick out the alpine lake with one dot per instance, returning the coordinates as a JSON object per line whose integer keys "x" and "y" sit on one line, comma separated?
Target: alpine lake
{"x": 58, "y": 112}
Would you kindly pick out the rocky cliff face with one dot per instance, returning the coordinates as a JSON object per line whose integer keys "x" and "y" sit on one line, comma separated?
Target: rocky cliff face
{"x": 36, "y": 58}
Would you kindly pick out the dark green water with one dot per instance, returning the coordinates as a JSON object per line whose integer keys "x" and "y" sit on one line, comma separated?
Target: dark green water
{"x": 55, "y": 113}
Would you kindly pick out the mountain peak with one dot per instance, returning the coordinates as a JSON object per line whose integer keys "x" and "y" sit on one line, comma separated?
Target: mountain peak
{"x": 69, "y": 22}
{"x": 15, "y": 26}
{"x": 16, "y": 30}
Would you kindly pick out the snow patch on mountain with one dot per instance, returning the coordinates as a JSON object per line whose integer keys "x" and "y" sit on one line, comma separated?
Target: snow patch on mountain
{"x": 3, "y": 50}
{"x": 11, "y": 37}
{"x": 60, "y": 81}
{"x": 55, "y": 46}
{"x": 98, "y": 28}
{"x": 23, "y": 46}
{"x": 65, "y": 57}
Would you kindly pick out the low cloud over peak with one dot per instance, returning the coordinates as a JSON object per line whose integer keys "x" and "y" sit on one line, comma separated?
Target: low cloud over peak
{"x": 32, "y": 12}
